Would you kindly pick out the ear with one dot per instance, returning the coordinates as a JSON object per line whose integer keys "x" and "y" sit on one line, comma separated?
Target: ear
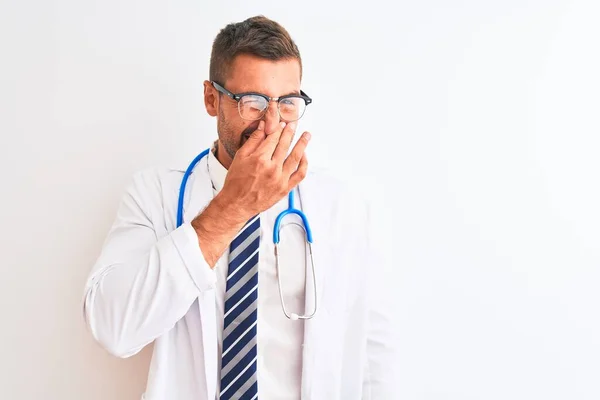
{"x": 211, "y": 99}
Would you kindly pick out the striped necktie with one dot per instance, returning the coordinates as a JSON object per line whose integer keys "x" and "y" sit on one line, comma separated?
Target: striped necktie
{"x": 238, "y": 363}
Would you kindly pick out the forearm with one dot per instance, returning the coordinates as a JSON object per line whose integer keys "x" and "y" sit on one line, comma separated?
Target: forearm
{"x": 132, "y": 296}
{"x": 144, "y": 281}
{"x": 217, "y": 226}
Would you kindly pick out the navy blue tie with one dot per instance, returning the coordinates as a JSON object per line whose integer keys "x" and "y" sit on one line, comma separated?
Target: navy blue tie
{"x": 238, "y": 362}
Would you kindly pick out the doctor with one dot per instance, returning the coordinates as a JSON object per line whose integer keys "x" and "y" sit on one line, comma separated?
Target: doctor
{"x": 209, "y": 291}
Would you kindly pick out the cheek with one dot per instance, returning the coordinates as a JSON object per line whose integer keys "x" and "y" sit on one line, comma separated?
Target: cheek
{"x": 231, "y": 117}
{"x": 232, "y": 123}
{"x": 228, "y": 119}
{"x": 236, "y": 125}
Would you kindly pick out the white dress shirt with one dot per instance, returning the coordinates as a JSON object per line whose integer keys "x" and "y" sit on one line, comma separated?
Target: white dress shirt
{"x": 279, "y": 358}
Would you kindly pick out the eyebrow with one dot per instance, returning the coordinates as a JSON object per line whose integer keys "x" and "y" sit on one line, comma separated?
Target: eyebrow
{"x": 293, "y": 92}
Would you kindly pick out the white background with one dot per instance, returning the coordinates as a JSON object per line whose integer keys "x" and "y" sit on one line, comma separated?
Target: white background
{"x": 475, "y": 124}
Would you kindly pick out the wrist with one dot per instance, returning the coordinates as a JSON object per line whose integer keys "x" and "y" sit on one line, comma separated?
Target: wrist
{"x": 215, "y": 227}
{"x": 231, "y": 213}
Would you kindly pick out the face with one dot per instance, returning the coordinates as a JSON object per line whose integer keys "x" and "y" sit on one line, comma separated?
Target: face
{"x": 249, "y": 74}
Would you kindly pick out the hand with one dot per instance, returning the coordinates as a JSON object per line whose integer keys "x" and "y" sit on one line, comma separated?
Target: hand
{"x": 261, "y": 174}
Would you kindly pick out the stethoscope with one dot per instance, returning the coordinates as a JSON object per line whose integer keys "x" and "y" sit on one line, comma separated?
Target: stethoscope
{"x": 276, "y": 236}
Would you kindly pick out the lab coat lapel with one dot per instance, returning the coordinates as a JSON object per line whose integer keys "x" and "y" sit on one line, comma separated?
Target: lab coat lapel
{"x": 199, "y": 193}
{"x": 309, "y": 197}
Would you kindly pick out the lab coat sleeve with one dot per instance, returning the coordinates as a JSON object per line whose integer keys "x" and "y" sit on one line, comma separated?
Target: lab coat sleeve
{"x": 142, "y": 284}
{"x": 381, "y": 379}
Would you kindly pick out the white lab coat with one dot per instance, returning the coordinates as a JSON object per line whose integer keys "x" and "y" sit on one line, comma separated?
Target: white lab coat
{"x": 151, "y": 284}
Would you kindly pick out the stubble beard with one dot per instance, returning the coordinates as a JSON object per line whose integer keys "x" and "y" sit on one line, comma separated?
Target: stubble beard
{"x": 230, "y": 141}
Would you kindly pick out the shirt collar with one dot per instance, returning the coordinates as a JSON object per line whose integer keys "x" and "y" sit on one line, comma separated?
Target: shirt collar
{"x": 216, "y": 170}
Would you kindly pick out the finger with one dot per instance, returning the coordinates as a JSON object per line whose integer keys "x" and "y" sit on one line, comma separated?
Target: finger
{"x": 292, "y": 161}
{"x": 268, "y": 146}
{"x": 254, "y": 140}
{"x": 285, "y": 141}
{"x": 299, "y": 174}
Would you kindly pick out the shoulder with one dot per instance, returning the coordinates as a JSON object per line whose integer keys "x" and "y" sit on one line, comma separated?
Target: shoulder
{"x": 341, "y": 203}
{"x": 359, "y": 203}
{"x": 344, "y": 192}
{"x": 156, "y": 178}
{"x": 155, "y": 189}
{"x": 155, "y": 192}
{"x": 168, "y": 177}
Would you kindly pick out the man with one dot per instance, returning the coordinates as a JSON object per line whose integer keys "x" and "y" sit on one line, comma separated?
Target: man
{"x": 205, "y": 290}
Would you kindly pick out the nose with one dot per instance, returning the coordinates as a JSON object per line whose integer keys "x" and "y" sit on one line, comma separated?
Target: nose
{"x": 271, "y": 118}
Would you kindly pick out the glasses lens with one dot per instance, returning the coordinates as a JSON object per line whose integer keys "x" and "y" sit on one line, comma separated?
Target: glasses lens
{"x": 252, "y": 107}
{"x": 292, "y": 108}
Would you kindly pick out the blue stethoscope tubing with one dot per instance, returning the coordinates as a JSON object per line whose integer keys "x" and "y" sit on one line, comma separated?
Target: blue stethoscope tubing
{"x": 276, "y": 236}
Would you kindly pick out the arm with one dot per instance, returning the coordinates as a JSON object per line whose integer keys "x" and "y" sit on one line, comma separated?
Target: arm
{"x": 381, "y": 379}
{"x": 217, "y": 226}
{"x": 141, "y": 285}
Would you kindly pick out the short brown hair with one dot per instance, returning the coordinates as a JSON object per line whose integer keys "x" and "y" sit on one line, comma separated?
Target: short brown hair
{"x": 257, "y": 36}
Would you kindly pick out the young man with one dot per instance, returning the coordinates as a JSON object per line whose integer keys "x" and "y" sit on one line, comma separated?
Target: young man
{"x": 231, "y": 315}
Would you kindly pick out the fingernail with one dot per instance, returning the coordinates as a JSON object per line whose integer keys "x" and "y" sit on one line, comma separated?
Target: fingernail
{"x": 261, "y": 125}
{"x": 282, "y": 124}
{"x": 307, "y": 136}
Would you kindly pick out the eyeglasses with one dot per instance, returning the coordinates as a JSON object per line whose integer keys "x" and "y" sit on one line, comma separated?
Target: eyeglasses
{"x": 253, "y": 106}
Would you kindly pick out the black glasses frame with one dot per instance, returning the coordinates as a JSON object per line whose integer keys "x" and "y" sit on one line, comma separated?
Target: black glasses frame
{"x": 238, "y": 96}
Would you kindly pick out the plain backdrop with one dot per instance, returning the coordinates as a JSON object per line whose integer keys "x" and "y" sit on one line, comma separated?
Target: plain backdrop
{"x": 474, "y": 125}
